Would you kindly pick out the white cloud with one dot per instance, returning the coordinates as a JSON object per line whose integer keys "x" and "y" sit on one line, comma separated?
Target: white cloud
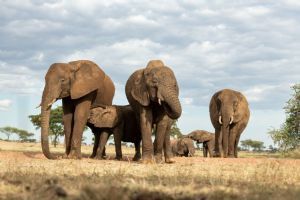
{"x": 5, "y": 104}
{"x": 251, "y": 47}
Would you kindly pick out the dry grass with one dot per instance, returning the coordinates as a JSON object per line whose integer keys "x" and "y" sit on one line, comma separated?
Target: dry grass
{"x": 26, "y": 174}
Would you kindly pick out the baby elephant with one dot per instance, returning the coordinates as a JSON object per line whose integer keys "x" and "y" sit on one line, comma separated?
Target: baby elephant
{"x": 183, "y": 147}
{"x": 119, "y": 121}
{"x": 205, "y": 137}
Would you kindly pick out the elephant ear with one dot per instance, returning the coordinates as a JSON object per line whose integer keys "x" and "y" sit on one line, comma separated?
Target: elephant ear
{"x": 104, "y": 117}
{"x": 87, "y": 77}
{"x": 139, "y": 90}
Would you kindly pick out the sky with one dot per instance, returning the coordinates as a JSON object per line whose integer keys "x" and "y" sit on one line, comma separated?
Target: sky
{"x": 249, "y": 46}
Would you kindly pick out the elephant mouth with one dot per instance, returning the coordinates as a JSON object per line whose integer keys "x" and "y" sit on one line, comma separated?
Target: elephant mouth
{"x": 167, "y": 108}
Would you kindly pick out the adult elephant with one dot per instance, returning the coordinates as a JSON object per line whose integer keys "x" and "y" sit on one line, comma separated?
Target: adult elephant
{"x": 205, "y": 137}
{"x": 229, "y": 114}
{"x": 183, "y": 147}
{"x": 153, "y": 93}
{"x": 81, "y": 85}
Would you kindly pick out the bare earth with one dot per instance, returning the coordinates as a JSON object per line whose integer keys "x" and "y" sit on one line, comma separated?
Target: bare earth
{"x": 26, "y": 174}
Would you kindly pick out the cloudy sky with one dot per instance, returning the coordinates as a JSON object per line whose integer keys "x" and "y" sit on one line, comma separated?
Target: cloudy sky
{"x": 250, "y": 46}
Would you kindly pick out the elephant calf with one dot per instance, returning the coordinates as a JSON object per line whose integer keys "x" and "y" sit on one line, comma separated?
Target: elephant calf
{"x": 183, "y": 147}
{"x": 205, "y": 137}
{"x": 119, "y": 121}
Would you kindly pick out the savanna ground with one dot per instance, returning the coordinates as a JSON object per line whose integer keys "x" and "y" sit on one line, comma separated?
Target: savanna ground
{"x": 26, "y": 174}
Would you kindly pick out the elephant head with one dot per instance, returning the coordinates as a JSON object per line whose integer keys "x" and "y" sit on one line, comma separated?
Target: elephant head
{"x": 72, "y": 80}
{"x": 185, "y": 146}
{"x": 107, "y": 117}
{"x": 201, "y": 136}
{"x": 227, "y": 107}
{"x": 157, "y": 83}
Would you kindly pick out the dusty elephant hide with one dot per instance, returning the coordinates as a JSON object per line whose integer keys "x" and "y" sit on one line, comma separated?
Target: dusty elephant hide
{"x": 119, "y": 121}
{"x": 183, "y": 147}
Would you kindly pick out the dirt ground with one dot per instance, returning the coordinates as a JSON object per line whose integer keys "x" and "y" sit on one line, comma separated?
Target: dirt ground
{"x": 26, "y": 174}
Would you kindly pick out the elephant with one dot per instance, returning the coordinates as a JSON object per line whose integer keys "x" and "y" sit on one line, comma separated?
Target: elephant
{"x": 183, "y": 147}
{"x": 81, "y": 85}
{"x": 153, "y": 93}
{"x": 119, "y": 121}
{"x": 205, "y": 137}
{"x": 229, "y": 114}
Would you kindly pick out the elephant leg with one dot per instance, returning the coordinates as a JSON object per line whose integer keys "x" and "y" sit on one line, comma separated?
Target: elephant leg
{"x": 240, "y": 129}
{"x": 104, "y": 151}
{"x": 161, "y": 129}
{"x": 81, "y": 114}
{"x": 146, "y": 130}
{"x": 218, "y": 141}
{"x": 68, "y": 124}
{"x": 101, "y": 145}
{"x": 204, "y": 149}
{"x": 236, "y": 146}
{"x": 96, "y": 144}
{"x": 231, "y": 143}
{"x": 167, "y": 144}
{"x": 118, "y": 146}
{"x": 210, "y": 147}
{"x": 137, "y": 155}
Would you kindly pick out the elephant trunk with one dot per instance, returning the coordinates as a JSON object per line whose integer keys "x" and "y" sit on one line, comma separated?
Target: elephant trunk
{"x": 45, "y": 119}
{"x": 226, "y": 119}
{"x": 172, "y": 105}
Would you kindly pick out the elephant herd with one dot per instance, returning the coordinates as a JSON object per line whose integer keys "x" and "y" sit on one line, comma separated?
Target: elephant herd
{"x": 153, "y": 95}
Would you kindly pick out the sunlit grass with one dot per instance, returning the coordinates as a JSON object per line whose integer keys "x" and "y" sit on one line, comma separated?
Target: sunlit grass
{"x": 33, "y": 177}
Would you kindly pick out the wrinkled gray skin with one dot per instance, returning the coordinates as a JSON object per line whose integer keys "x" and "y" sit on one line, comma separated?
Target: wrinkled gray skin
{"x": 81, "y": 85}
{"x": 153, "y": 93}
{"x": 183, "y": 147}
{"x": 205, "y": 137}
{"x": 229, "y": 114}
{"x": 119, "y": 121}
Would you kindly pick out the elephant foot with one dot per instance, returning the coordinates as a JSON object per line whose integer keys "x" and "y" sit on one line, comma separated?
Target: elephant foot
{"x": 118, "y": 157}
{"x": 216, "y": 155}
{"x": 169, "y": 160}
{"x": 97, "y": 157}
{"x": 158, "y": 159}
{"x": 231, "y": 156}
{"x": 74, "y": 155}
{"x": 137, "y": 157}
{"x": 65, "y": 156}
{"x": 92, "y": 156}
{"x": 148, "y": 161}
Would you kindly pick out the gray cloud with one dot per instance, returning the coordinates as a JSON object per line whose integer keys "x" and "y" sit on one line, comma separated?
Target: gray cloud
{"x": 248, "y": 46}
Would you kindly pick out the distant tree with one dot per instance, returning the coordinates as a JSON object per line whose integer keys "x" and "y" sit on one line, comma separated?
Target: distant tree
{"x": 253, "y": 144}
{"x": 8, "y": 131}
{"x": 257, "y": 145}
{"x": 56, "y": 128}
{"x": 287, "y": 137}
{"x": 23, "y": 134}
{"x": 246, "y": 144}
{"x": 175, "y": 131}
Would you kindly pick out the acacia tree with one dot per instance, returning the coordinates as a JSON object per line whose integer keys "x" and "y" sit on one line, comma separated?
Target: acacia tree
{"x": 175, "y": 131}
{"x": 287, "y": 137}
{"x": 23, "y": 134}
{"x": 55, "y": 124}
{"x": 253, "y": 144}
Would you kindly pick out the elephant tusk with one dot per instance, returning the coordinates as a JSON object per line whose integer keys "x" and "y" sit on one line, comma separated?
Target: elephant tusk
{"x": 231, "y": 120}
{"x": 159, "y": 101}
{"x": 220, "y": 119}
{"x": 50, "y": 104}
